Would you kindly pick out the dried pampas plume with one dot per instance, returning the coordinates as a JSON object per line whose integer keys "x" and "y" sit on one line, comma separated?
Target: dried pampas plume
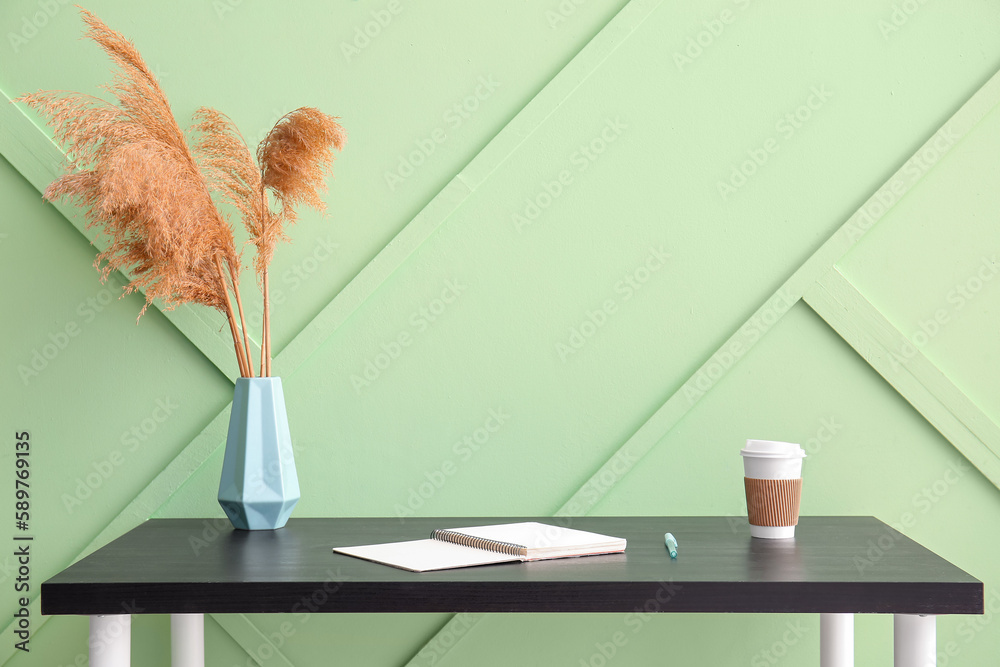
{"x": 294, "y": 158}
{"x": 292, "y": 162}
{"x": 151, "y": 194}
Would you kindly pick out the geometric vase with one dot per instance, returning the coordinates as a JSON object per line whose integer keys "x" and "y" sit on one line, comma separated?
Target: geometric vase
{"x": 259, "y": 486}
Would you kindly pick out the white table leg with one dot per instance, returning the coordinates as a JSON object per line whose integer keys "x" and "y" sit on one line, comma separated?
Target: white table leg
{"x": 836, "y": 640}
{"x": 914, "y": 640}
{"x": 187, "y": 640}
{"x": 110, "y": 642}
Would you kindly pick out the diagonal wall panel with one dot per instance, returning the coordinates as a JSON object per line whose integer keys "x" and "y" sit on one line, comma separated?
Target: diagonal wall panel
{"x": 819, "y": 283}
{"x": 921, "y": 383}
{"x": 29, "y": 149}
{"x": 359, "y": 289}
{"x": 40, "y": 162}
{"x": 524, "y": 130}
{"x": 816, "y": 268}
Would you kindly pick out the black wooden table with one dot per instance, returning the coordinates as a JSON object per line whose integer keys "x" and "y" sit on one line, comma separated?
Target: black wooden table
{"x": 835, "y": 566}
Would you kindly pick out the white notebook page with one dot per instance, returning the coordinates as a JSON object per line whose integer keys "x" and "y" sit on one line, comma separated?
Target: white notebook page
{"x": 425, "y": 555}
{"x": 546, "y": 541}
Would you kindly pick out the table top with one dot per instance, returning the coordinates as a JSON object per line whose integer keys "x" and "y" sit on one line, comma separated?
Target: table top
{"x": 834, "y": 564}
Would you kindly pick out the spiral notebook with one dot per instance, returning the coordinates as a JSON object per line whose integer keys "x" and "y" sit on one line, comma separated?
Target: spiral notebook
{"x": 484, "y": 545}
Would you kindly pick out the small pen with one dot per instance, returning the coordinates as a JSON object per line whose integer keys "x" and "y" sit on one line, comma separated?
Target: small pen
{"x": 671, "y": 543}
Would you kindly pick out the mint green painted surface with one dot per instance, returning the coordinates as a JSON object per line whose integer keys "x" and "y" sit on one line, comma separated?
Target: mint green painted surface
{"x": 946, "y": 307}
{"x": 555, "y": 288}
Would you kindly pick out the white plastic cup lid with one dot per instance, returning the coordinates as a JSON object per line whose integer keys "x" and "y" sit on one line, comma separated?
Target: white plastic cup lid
{"x": 772, "y": 449}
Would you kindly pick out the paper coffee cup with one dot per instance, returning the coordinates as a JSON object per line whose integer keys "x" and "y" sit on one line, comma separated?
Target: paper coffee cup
{"x": 773, "y": 482}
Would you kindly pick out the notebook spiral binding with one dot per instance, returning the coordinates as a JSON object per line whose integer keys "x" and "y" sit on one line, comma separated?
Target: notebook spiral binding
{"x": 480, "y": 543}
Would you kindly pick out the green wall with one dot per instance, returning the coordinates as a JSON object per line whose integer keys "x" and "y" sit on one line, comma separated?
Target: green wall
{"x": 662, "y": 228}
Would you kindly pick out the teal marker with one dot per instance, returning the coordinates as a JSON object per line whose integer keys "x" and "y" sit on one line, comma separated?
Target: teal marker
{"x": 671, "y": 543}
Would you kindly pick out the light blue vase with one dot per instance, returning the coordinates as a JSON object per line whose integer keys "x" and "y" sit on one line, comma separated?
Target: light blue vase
{"x": 259, "y": 487}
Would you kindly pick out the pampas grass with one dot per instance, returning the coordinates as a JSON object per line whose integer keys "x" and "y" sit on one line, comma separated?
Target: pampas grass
{"x": 153, "y": 195}
{"x": 292, "y": 162}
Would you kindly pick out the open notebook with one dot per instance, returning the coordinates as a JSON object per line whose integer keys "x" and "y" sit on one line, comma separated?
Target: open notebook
{"x": 484, "y": 545}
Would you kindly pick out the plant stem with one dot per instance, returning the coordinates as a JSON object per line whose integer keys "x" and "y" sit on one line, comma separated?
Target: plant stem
{"x": 240, "y": 361}
{"x": 265, "y": 337}
{"x": 265, "y": 218}
{"x": 243, "y": 322}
